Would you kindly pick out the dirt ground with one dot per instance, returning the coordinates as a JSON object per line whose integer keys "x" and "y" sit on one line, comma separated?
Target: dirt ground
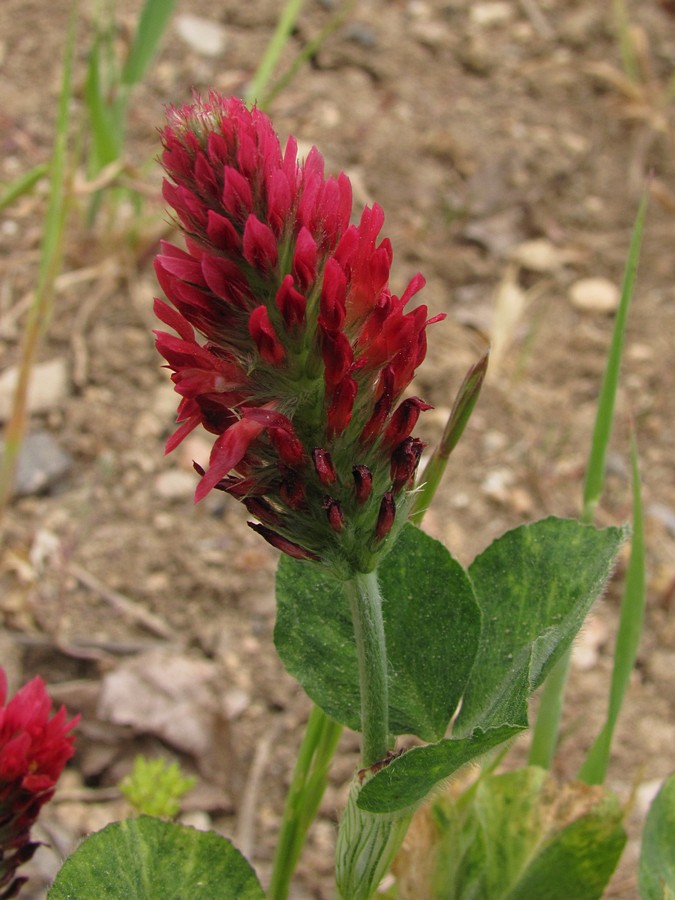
{"x": 509, "y": 152}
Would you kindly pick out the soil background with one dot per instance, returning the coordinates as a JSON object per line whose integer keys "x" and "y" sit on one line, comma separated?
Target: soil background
{"x": 509, "y": 153}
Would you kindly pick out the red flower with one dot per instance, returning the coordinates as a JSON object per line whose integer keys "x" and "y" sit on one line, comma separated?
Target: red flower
{"x": 304, "y": 351}
{"x": 33, "y": 751}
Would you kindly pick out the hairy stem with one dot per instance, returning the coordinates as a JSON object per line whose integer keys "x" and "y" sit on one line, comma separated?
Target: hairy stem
{"x": 366, "y": 607}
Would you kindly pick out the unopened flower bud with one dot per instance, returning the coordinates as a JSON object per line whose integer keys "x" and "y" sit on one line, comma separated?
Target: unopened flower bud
{"x": 292, "y": 490}
{"x": 305, "y": 258}
{"x": 266, "y": 339}
{"x": 287, "y": 445}
{"x": 259, "y": 245}
{"x": 404, "y": 462}
{"x": 323, "y": 464}
{"x": 261, "y": 509}
{"x": 282, "y": 543}
{"x": 386, "y": 516}
{"x": 342, "y": 404}
{"x": 403, "y": 420}
{"x": 292, "y": 305}
{"x": 363, "y": 483}
{"x": 334, "y": 513}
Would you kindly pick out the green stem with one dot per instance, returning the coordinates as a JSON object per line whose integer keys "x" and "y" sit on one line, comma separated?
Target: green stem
{"x": 547, "y": 726}
{"x": 304, "y": 796}
{"x": 365, "y": 602}
{"x": 258, "y": 88}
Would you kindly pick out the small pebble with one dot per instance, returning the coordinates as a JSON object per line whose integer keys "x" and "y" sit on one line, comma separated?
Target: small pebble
{"x": 490, "y": 14}
{"x": 47, "y": 389}
{"x": 175, "y": 484}
{"x": 538, "y": 255}
{"x": 361, "y": 34}
{"x": 595, "y": 295}
{"x": 663, "y": 514}
{"x": 204, "y": 36}
{"x": 497, "y": 485}
{"x": 198, "y": 819}
{"x": 41, "y": 464}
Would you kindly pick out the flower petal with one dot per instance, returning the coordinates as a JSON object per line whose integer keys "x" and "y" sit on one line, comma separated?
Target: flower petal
{"x": 228, "y": 451}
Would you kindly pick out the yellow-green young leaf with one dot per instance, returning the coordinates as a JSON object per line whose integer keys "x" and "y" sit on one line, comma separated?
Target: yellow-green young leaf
{"x": 155, "y": 787}
{"x": 152, "y": 24}
{"x": 149, "y": 859}
{"x": 657, "y": 858}
{"x": 518, "y": 836}
{"x": 431, "y": 623}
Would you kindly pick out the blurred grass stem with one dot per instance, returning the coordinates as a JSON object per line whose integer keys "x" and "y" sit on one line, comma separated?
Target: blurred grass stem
{"x": 631, "y": 619}
{"x": 547, "y": 727}
{"x": 51, "y": 253}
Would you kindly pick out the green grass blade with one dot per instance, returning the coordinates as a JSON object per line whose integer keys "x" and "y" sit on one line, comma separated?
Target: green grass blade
{"x": 274, "y": 49}
{"x": 152, "y": 24}
{"x": 545, "y": 733}
{"x": 631, "y": 621}
{"x": 306, "y": 53}
{"x": 303, "y": 798}
{"x": 547, "y": 726}
{"x": 626, "y": 47}
{"x": 50, "y": 263}
{"x": 465, "y": 401}
{"x": 22, "y": 185}
{"x": 595, "y": 473}
{"x": 106, "y": 133}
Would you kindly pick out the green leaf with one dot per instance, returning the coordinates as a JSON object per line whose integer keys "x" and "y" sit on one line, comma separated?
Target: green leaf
{"x": 520, "y": 836}
{"x": 534, "y": 586}
{"x": 150, "y": 859}
{"x": 579, "y": 860}
{"x": 409, "y": 778}
{"x": 432, "y": 627}
{"x": 595, "y": 472}
{"x": 657, "y": 859}
{"x": 152, "y": 24}
{"x": 106, "y": 119}
{"x": 21, "y": 185}
{"x": 631, "y": 620}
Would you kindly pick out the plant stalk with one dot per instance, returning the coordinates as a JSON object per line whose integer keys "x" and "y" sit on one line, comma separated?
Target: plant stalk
{"x": 365, "y": 602}
{"x": 304, "y": 796}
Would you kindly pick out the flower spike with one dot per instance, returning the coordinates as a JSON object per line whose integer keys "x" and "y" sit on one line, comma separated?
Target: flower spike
{"x": 34, "y": 749}
{"x": 289, "y": 345}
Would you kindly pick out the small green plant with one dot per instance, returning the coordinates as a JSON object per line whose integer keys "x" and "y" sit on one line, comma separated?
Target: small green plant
{"x": 156, "y": 787}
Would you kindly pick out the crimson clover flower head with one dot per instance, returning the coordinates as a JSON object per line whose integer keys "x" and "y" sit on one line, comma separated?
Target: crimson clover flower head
{"x": 289, "y": 345}
{"x": 34, "y": 748}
